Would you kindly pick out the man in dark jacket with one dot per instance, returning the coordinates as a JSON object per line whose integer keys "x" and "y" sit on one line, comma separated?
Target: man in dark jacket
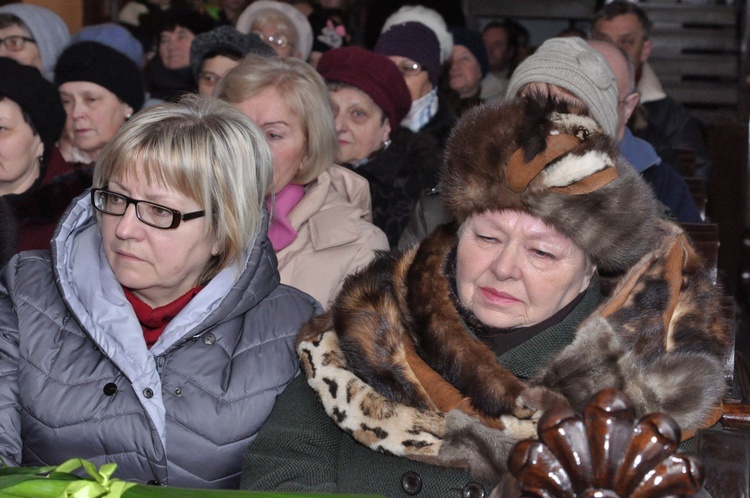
{"x": 668, "y": 125}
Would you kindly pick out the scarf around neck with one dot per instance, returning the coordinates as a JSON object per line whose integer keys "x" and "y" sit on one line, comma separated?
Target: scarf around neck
{"x": 421, "y": 112}
{"x": 281, "y": 233}
{"x": 154, "y": 320}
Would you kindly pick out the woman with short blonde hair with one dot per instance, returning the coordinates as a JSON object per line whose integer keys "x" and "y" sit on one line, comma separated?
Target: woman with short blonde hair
{"x": 157, "y": 323}
{"x": 321, "y": 225}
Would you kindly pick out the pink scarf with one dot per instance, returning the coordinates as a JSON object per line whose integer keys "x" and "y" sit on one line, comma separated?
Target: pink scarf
{"x": 280, "y": 232}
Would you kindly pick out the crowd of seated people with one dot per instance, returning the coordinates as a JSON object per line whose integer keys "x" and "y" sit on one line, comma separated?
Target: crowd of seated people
{"x": 253, "y": 236}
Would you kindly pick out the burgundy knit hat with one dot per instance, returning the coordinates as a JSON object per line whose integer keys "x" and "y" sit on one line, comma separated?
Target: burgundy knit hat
{"x": 414, "y": 41}
{"x": 374, "y": 74}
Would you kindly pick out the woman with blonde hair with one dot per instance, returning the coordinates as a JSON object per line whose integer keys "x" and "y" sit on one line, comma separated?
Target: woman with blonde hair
{"x": 321, "y": 226}
{"x": 155, "y": 335}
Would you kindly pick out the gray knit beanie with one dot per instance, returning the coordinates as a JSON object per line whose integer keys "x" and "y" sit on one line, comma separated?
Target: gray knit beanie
{"x": 47, "y": 28}
{"x": 574, "y": 65}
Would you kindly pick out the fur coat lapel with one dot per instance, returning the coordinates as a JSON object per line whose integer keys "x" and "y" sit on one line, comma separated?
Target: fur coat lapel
{"x": 394, "y": 365}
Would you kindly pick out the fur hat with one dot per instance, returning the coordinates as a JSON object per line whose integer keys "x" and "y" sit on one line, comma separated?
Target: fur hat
{"x": 572, "y": 64}
{"x": 105, "y": 66}
{"x": 115, "y": 36}
{"x": 474, "y": 44}
{"x": 430, "y": 18}
{"x": 37, "y": 97}
{"x": 47, "y": 28}
{"x": 297, "y": 19}
{"x": 374, "y": 74}
{"x": 414, "y": 41}
{"x": 225, "y": 38}
{"x": 539, "y": 156}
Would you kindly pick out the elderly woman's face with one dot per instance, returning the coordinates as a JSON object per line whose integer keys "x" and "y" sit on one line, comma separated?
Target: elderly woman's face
{"x": 284, "y": 133}
{"x": 360, "y": 124}
{"x": 513, "y": 270}
{"x": 94, "y": 113}
{"x": 157, "y": 265}
{"x": 278, "y": 36}
{"x": 20, "y": 150}
{"x": 465, "y": 72}
{"x": 28, "y": 55}
{"x": 174, "y": 47}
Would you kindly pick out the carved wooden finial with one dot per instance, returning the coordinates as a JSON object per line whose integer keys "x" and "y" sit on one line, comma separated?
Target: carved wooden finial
{"x": 605, "y": 453}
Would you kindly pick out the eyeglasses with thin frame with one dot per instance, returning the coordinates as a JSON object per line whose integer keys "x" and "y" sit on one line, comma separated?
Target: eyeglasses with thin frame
{"x": 276, "y": 39}
{"x": 154, "y": 215}
{"x": 16, "y": 42}
{"x": 409, "y": 69}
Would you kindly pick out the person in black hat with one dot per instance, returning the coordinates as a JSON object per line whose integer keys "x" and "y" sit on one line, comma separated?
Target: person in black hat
{"x": 100, "y": 89}
{"x": 419, "y": 44}
{"x": 36, "y": 184}
{"x": 169, "y": 74}
{"x": 468, "y": 73}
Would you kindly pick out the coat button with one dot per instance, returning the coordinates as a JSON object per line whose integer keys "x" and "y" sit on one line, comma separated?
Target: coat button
{"x": 209, "y": 338}
{"x": 110, "y": 389}
{"x": 148, "y": 392}
{"x": 411, "y": 483}
{"x": 472, "y": 490}
{"x": 153, "y": 482}
{"x": 178, "y": 391}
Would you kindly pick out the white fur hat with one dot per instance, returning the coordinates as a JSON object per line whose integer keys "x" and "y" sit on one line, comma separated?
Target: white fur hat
{"x": 430, "y": 18}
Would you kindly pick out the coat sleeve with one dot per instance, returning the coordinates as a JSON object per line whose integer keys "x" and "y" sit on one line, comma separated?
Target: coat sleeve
{"x": 297, "y": 448}
{"x": 10, "y": 409}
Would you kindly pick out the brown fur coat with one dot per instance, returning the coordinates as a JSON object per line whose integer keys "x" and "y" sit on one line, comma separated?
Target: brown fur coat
{"x": 395, "y": 366}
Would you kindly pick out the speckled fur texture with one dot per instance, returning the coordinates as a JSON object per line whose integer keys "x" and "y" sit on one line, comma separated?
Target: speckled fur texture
{"x": 656, "y": 338}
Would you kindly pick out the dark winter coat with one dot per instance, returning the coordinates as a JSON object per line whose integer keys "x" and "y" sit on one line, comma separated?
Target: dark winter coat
{"x": 383, "y": 364}
{"x": 441, "y": 124}
{"x": 38, "y": 210}
{"x": 398, "y": 175}
{"x": 76, "y": 378}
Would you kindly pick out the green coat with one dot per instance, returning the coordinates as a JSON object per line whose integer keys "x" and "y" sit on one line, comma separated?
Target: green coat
{"x": 300, "y": 448}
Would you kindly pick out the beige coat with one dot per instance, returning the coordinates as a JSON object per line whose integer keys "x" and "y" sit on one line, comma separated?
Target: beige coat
{"x": 335, "y": 234}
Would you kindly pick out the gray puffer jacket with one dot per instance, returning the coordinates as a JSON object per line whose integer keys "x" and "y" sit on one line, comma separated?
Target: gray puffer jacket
{"x": 76, "y": 378}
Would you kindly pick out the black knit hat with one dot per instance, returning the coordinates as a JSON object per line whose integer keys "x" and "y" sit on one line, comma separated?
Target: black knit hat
{"x": 105, "y": 66}
{"x": 37, "y": 97}
{"x": 414, "y": 41}
{"x": 225, "y": 38}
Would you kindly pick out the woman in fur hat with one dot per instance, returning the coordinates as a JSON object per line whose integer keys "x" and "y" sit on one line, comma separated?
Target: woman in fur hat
{"x": 433, "y": 362}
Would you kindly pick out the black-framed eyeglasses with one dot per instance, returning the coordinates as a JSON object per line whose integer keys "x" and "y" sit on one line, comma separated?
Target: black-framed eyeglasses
{"x": 409, "y": 69}
{"x": 15, "y": 43}
{"x": 154, "y": 215}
